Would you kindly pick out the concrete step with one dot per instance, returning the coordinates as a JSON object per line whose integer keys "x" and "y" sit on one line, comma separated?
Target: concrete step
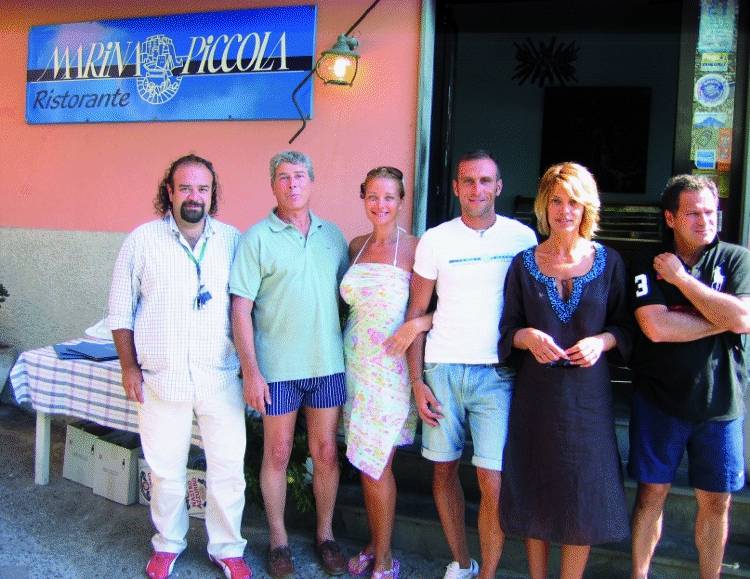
{"x": 679, "y": 511}
{"x": 417, "y": 529}
{"x": 414, "y": 474}
{"x": 675, "y": 558}
{"x": 681, "y": 505}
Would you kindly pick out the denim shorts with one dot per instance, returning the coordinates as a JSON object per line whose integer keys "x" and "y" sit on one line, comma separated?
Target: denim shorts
{"x": 658, "y": 441}
{"x": 480, "y": 393}
{"x": 320, "y": 392}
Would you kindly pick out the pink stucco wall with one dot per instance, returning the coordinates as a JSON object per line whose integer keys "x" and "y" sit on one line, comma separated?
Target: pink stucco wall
{"x": 102, "y": 177}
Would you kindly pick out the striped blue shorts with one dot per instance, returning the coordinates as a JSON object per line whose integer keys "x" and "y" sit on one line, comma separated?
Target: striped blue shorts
{"x": 320, "y": 392}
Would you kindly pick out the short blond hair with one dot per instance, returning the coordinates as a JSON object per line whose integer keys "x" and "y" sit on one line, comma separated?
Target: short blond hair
{"x": 579, "y": 183}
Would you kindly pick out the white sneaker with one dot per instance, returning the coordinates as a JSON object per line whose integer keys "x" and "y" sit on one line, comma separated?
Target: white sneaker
{"x": 454, "y": 571}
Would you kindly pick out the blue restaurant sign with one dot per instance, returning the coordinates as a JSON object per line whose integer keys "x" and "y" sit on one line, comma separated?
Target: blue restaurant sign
{"x": 237, "y": 64}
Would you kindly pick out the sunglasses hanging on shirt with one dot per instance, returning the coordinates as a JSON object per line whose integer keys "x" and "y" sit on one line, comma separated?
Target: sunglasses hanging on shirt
{"x": 203, "y": 294}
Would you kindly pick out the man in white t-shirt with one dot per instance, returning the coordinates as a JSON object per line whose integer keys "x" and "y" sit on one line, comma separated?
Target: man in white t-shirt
{"x": 455, "y": 376}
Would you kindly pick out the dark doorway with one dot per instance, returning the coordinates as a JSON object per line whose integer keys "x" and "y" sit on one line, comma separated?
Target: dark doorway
{"x": 496, "y": 61}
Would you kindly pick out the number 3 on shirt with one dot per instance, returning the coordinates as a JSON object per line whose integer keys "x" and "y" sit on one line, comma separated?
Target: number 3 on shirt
{"x": 641, "y": 285}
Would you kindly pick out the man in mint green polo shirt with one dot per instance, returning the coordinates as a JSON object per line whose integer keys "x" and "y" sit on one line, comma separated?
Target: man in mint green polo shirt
{"x": 284, "y": 286}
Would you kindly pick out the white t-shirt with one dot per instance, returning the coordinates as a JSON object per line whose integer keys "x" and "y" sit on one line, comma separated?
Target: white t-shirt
{"x": 470, "y": 268}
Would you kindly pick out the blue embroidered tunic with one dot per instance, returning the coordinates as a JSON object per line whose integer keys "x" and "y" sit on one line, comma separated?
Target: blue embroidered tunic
{"x": 562, "y": 480}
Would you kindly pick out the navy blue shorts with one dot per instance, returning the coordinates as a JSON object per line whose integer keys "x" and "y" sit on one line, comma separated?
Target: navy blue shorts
{"x": 658, "y": 441}
{"x": 321, "y": 392}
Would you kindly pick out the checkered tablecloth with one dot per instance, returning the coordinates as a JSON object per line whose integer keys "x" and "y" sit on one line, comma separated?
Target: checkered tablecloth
{"x": 81, "y": 388}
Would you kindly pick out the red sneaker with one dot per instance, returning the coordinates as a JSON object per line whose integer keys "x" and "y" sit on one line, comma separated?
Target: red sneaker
{"x": 161, "y": 564}
{"x": 234, "y": 567}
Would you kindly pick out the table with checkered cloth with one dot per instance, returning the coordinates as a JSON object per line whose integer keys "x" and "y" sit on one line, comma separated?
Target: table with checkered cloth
{"x": 81, "y": 388}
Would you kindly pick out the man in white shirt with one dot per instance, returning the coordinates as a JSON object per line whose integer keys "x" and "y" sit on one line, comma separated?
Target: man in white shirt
{"x": 169, "y": 316}
{"x": 465, "y": 261}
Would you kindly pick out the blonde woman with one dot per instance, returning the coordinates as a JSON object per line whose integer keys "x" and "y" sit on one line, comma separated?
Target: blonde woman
{"x": 565, "y": 305}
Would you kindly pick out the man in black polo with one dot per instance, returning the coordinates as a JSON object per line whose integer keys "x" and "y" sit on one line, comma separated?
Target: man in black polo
{"x": 692, "y": 303}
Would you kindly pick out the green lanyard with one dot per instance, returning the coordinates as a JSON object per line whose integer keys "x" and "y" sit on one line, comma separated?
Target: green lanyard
{"x": 203, "y": 294}
{"x": 198, "y": 261}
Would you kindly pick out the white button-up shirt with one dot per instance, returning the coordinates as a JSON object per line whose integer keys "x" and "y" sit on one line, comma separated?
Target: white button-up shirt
{"x": 185, "y": 353}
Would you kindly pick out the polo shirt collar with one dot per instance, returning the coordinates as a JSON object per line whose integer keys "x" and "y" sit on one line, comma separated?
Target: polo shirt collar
{"x": 672, "y": 249}
{"x": 277, "y": 224}
{"x": 706, "y": 251}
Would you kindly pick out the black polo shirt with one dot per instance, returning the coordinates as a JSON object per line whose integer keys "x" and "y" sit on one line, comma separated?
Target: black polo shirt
{"x": 703, "y": 379}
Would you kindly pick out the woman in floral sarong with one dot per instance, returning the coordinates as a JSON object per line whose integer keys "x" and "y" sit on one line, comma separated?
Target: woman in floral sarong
{"x": 379, "y": 413}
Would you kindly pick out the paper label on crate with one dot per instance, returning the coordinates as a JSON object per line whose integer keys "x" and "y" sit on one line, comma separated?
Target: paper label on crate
{"x": 144, "y": 485}
{"x": 196, "y": 492}
{"x": 195, "y": 497}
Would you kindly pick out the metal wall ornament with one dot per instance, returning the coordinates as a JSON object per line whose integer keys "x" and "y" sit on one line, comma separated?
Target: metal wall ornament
{"x": 337, "y": 65}
{"x": 546, "y": 63}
